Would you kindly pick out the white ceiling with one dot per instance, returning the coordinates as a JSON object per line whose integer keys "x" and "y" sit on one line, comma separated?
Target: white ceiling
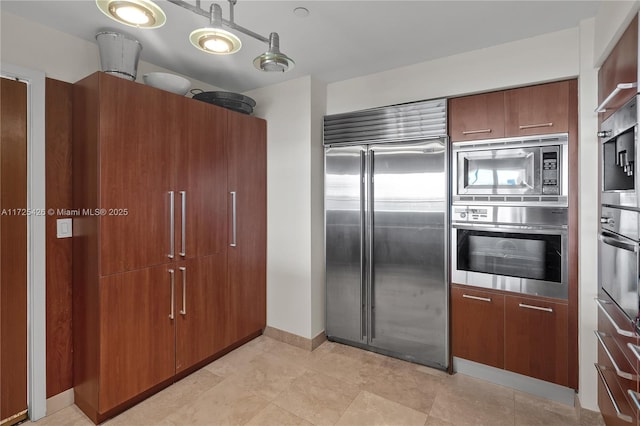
{"x": 337, "y": 41}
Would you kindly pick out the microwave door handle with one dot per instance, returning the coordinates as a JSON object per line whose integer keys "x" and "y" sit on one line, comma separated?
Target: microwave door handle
{"x": 618, "y": 243}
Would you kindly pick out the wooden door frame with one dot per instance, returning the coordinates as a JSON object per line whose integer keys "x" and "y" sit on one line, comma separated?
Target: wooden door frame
{"x": 36, "y": 240}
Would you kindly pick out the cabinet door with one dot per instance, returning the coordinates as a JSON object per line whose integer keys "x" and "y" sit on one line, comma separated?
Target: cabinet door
{"x": 137, "y": 171}
{"x": 536, "y": 110}
{"x": 137, "y": 335}
{"x": 202, "y": 180}
{"x": 536, "y": 339}
{"x": 621, "y": 66}
{"x": 200, "y": 295}
{"x": 477, "y": 326}
{"x": 476, "y": 117}
{"x": 247, "y": 183}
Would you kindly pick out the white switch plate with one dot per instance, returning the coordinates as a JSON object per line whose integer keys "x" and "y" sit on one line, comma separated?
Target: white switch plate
{"x": 64, "y": 228}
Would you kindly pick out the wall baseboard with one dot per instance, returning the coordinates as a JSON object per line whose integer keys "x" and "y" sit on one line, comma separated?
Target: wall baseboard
{"x": 294, "y": 339}
{"x": 516, "y": 381}
{"x": 60, "y": 401}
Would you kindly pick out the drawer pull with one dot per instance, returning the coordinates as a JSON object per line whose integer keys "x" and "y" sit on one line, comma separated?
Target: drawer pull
{"x": 474, "y": 132}
{"x": 619, "y": 413}
{"x": 533, "y": 126}
{"x": 620, "y": 331}
{"x": 635, "y": 350}
{"x": 537, "y": 308}
{"x": 634, "y": 397}
{"x": 619, "y": 372}
{"x": 484, "y": 299}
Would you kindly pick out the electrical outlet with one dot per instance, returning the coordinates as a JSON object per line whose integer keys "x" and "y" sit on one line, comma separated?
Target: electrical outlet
{"x": 64, "y": 228}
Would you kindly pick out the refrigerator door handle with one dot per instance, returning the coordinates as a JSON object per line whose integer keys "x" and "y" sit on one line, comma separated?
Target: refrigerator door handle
{"x": 371, "y": 241}
{"x": 363, "y": 242}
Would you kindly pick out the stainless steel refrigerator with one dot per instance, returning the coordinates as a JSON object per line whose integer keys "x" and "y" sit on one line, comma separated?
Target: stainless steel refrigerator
{"x": 386, "y": 246}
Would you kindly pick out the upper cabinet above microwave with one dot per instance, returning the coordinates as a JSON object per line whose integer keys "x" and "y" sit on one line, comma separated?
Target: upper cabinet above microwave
{"x": 476, "y": 117}
{"x": 619, "y": 70}
{"x": 533, "y": 110}
{"x": 537, "y": 110}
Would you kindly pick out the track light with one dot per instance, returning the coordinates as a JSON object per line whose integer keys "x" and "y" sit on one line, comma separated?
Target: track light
{"x": 135, "y": 13}
{"x": 273, "y": 60}
{"x": 214, "y": 39}
{"x": 211, "y": 39}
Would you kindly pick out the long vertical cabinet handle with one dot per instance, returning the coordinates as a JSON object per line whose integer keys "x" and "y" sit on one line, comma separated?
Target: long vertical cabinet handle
{"x": 183, "y": 311}
{"x": 233, "y": 220}
{"x": 372, "y": 333}
{"x": 183, "y": 243}
{"x": 363, "y": 242}
{"x": 173, "y": 293}
{"x": 172, "y": 223}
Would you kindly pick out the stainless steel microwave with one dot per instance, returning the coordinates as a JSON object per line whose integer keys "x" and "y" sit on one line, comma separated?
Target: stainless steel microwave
{"x": 514, "y": 171}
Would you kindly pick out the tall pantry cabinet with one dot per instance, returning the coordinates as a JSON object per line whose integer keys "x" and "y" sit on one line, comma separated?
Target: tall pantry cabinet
{"x": 169, "y": 238}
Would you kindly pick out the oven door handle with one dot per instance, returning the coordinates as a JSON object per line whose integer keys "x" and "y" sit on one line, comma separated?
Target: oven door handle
{"x": 618, "y": 242}
{"x": 545, "y": 229}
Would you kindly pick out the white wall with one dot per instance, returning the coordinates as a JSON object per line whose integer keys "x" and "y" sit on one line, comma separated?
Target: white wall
{"x": 287, "y": 109}
{"x": 61, "y": 56}
{"x": 551, "y": 56}
{"x": 588, "y": 216}
{"x": 318, "y": 108}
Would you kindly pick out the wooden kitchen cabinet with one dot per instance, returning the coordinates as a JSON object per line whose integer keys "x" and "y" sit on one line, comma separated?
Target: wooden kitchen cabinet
{"x": 135, "y": 331}
{"x": 158, "y": 287}
{"x": 476, "y": 117}
{"x": 536, "y": 110}
{"x": 536, "y": 339}
{"x": 247, "y": 152}
{"x": 132, "y": 130}
{"x": 525, "y": 111}
{"x": 201, "y": 179}
{"x": 621, "y": 66}
{"x": 617, "y": 365}
{"x": 477, "y": 326}
{"x": 201, "y": 295}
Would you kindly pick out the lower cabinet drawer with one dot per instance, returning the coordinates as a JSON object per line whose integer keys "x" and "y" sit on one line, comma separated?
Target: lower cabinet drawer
{"x": 614, "y": 405}
{"x": 613, "y": 322}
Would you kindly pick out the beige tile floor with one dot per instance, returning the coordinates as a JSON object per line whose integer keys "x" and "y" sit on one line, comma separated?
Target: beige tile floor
{"x": 270, "y": 383}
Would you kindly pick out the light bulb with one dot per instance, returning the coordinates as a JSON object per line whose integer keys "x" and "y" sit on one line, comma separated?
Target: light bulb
{"x": 218, "y": 45}
{"x": 132, "y": 14}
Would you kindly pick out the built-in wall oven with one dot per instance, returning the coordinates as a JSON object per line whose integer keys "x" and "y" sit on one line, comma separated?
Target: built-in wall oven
{"x": 619, "y": 238}
{"x": 521, "y": 249}
{"x": 523, "y": 171}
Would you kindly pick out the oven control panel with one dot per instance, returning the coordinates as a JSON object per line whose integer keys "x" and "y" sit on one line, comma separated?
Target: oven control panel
{"x": 471, "y": 214}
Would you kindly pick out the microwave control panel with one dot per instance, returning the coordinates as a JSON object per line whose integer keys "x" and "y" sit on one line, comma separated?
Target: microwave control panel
{"x": 550, "y": 170}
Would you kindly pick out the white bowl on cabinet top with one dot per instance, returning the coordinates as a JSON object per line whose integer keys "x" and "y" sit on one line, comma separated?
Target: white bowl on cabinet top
{"x": 169, "y": 82}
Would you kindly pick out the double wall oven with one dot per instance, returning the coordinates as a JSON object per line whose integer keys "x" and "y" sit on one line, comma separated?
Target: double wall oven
{"x": 509, "y": 215}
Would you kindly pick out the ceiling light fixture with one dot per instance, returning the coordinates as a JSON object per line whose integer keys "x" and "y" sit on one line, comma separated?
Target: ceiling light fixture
{"x": 135, "y": 13}
{"x": 273, "y": 60}
{"x": 214, "y": 39}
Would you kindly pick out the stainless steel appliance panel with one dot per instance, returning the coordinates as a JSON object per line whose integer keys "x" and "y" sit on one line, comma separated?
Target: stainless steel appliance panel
{"x": 345, "y": 210}
{"x": 408, "y": 251}
{"x": 620, "y": 221}
{"x": 511, "y": 171}
{"x": 519, "y": 249}
{"x": 618, "y": 272}
{"x": 619, "y": 135}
